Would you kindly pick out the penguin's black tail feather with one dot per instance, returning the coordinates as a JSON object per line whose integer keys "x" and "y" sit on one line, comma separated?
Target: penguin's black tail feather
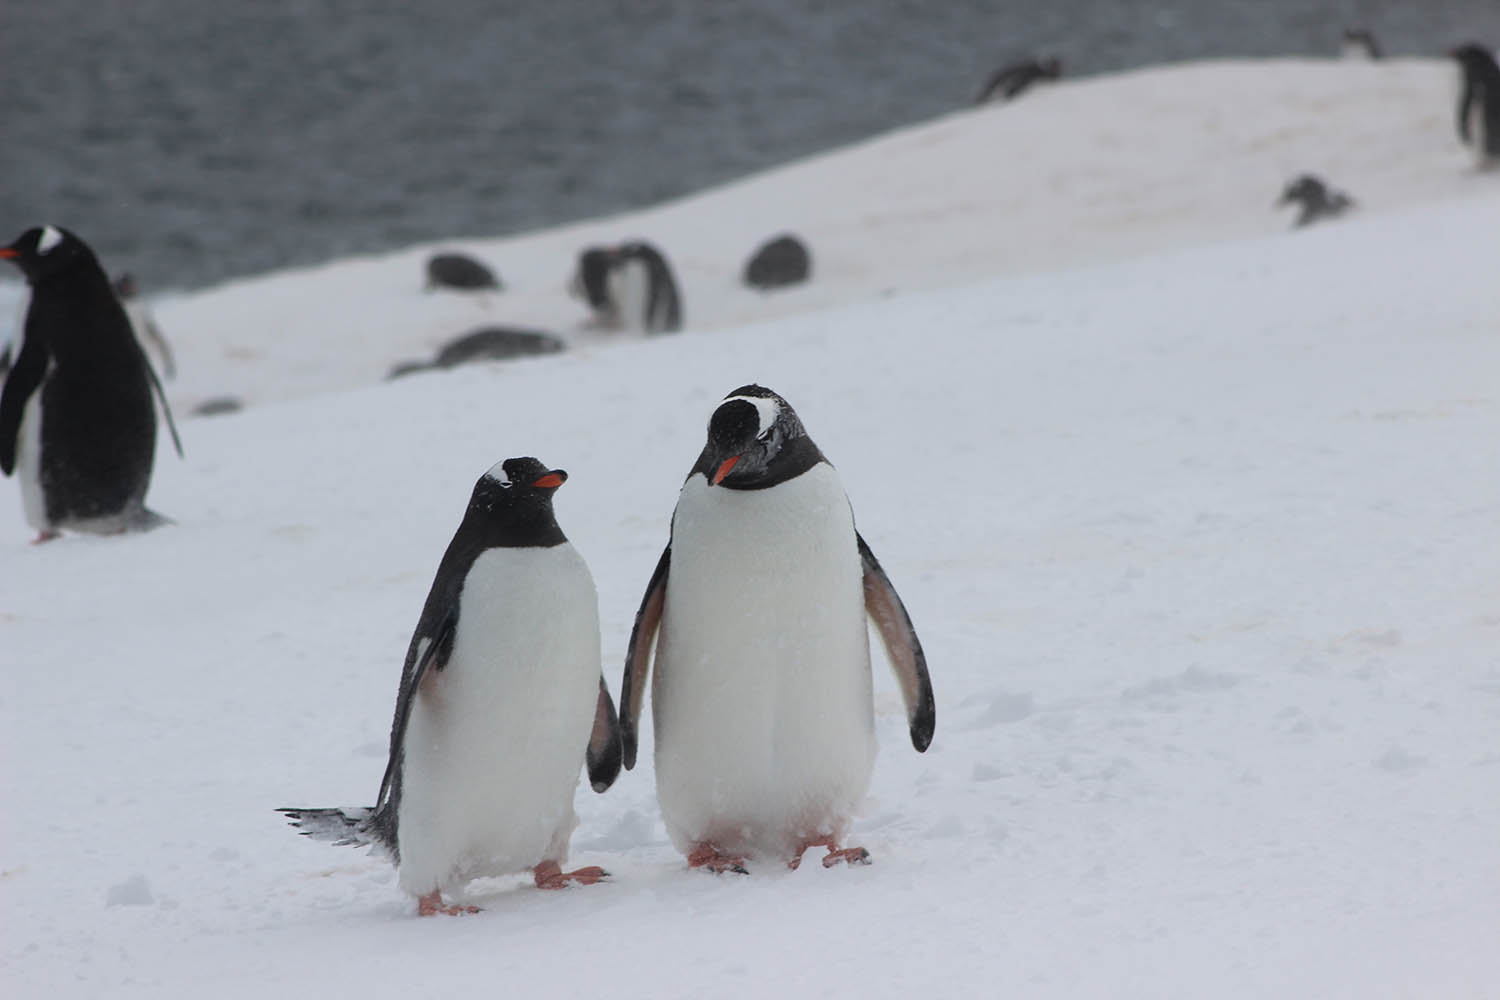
{"x": 340, "y": 827}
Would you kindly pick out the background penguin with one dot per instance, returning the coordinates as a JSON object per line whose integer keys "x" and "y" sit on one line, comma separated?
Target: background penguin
{"x": 762, "y": 693}
{"x": 76, "y": 416}
{"x": 490, "y": 343}
{"x": 143, "y": 323}
{"x": 459, "y": 271}
{"x": 1360, "y": 43}
{"x": 782, "y": 261}
{"x": 1318, "y": 201}
{"x": 1479, "y": 102}
{"x": 629, "y": 287}
{"x": 1011, "y": 81}
{"x": 501, "y": 700}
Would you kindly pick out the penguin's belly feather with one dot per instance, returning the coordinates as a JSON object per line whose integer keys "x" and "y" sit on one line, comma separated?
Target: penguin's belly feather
{"x": 29, "y": 463}
{"x": 762, "y": 692}
{"x": 497, "y": 738}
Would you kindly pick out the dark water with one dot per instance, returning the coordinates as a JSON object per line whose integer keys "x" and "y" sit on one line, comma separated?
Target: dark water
{"x": 193, "y": 141}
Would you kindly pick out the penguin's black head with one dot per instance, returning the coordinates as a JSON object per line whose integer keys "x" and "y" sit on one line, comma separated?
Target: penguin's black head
{"x": 1476, "y": 60}
{"x": 513, "y": 500}
{"x": 593, "y": 275}
{"x": 46, "y": 250}
{"x": 755, "y": 440}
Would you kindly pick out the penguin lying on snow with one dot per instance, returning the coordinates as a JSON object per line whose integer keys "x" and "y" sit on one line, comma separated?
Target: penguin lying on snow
{"x": 1009, "y": 82}
{"x": 777, "y": 263}
{"x": 501, "y": 700}
{"x": 629, "y": 287}
{"x": 461, "y": 272}
{"x": 1317, "y": 199}
{"x": 1479, "y": 102}
{"x": 762, "y": 694}
{"x": 77, "y": 418}
{"x": 490, "y": 343}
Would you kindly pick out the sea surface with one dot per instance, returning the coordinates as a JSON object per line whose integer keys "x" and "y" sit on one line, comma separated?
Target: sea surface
{"x": 193, "y": 142}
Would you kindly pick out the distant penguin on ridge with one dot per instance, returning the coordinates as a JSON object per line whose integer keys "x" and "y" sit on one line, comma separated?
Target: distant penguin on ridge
{"x": 501, "y": 702}
{"x": 1479, "y": 102}
{"x": 1009, "y": 82}
{"x": 762, "y": 693}
{"x": 778, "y": 263}
{"x": 1360, "y": 43}
{"x": 628, "y": 287}
{"x": 77, "y": 415}
{"x": 1317, "y": 200}
{"x": 143, "y": 323}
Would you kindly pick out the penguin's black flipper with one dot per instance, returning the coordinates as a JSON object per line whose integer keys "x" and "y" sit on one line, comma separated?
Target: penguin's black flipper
{"x": 604, "y": 750}
{"x": 638, "y": 655}
{"x": 23, "y": 380}
{"x": 427, "y": 651}
{"x": 883, "y": 604}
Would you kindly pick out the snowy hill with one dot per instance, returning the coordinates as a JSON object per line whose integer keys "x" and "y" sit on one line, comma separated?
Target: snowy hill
{"x": 1198, "y": 520}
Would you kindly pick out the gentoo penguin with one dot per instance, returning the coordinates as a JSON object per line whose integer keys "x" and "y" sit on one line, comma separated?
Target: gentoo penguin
{"x": 1360, "y": 43}
{"x": 459, "y": 271}
{"x": 1008, "y": 82}
{"x": 1479, "y": 102}
{"x": 490, "y": 343}
{"x": 628, "y": 287}
{"x": 1317, "y": 200}
{"x": 143, "y": 323}
{"x": 76, "y": 416}
{"x": 501, "y": 701}
{"x": 777, "y": 263}
{"x": 762, "y": 693}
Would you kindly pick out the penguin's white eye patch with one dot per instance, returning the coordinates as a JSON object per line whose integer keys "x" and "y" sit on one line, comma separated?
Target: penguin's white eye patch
{"x": 49, "y": 239}
{"x": 497, "y": 473}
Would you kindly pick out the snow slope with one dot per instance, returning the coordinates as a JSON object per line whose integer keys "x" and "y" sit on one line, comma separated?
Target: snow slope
{"x": 1201, "y": 542}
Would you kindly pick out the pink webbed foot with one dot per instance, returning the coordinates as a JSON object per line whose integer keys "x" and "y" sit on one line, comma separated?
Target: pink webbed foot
{"x": 836, "y": 854}
{"x": 45, "y": 536}
{"x": 708, "y": 856}
{"x": 549, "y": 875}
{"x": 432, "y": 904}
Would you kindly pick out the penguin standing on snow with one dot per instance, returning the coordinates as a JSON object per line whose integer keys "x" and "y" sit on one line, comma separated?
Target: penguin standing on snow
{"x": 501, "y": 700}
{"x": 629, "y": 287}
{"x": 762, "y": 693}
{"x": 1479, "y": 102}
{"x": 77, "y": 420}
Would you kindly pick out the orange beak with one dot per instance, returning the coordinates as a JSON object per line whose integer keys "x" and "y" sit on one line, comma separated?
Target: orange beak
{"x": 724, "y": 470}
{"x": 551, "y": 480}
{"x": 8, "y": 253}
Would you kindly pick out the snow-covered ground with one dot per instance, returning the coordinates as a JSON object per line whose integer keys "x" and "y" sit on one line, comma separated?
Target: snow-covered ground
{"x": 1199, "y": 520}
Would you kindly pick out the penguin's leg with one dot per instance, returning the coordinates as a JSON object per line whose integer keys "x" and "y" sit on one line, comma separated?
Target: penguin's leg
{"x": 849, "y": 855}
{"x": 706, "y": 855}
{"x": 46, "y": 536}
{"x": 432, "y": 904}
{"x": 549, "y": 875}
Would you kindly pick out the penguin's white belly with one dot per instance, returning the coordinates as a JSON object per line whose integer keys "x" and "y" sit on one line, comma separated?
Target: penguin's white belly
{"x": 630, "y": 290}
{"x": 762, "y": 692}
{"x": 29, "y": 461}
{"x": 497, "y": 738}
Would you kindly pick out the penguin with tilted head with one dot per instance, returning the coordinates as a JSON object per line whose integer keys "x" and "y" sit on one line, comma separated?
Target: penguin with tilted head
{"x": 1479, "y": 102}
{"x": 762, "y": 694}
{"x": 501, "y": 701}
{"x": 77, "y": 420}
